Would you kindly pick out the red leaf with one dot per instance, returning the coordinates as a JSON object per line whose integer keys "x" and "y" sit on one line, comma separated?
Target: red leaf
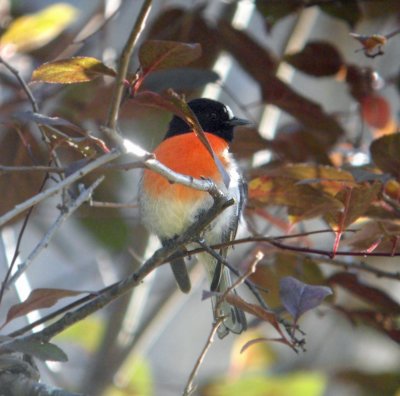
{"x": 39, "y": 298}
{"x": 375, "y": 110}
{"x": 317, "y": 58}
{"x": 160, "y": 54}
{"x": 261, "y": 313}
{"x": 367, "y": 293}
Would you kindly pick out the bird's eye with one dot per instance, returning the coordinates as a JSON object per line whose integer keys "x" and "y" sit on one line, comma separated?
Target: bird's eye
{"x": 213, "y": 116}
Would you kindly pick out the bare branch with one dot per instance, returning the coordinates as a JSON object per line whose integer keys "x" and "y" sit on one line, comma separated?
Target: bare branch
{"x": 23, "y": 84}
{"x": 123, "y": 66}
{"x": 189, "y": 388}
{"x": 58, "y": 187}
{"x": 111, "y": 293}
{"x": 65, "y": 214}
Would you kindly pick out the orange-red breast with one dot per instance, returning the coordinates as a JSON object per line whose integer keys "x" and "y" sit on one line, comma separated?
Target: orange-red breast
{"x": 169, "y": 209}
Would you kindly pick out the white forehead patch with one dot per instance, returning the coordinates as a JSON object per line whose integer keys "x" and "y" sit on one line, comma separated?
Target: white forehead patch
{"x": 230, "y": 112}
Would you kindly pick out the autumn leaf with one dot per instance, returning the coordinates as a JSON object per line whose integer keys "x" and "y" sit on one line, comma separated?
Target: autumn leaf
{"x": 71, "y": 71}
{"x": 317, "y": 58}
{"x": 38, "y": 299}
{"x": 159, "y": 54}
{"x": 369, "y": 294}
{"x": 385, "y": 153}
{"x": 375, "y": 111}
{"x": 30, "y": 32}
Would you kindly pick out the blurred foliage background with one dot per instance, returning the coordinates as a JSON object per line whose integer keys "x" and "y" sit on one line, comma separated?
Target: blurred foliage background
{"x": 320, "y": 80}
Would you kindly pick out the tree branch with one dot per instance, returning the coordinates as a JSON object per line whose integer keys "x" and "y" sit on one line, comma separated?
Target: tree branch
{"x": 123, "y": 66}
{"x": 58, "y": 187}
{"x": 111, "y": 293}
{"x": 66, "y": 212}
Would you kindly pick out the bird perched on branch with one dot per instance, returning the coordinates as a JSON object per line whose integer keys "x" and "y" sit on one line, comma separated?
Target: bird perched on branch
{"x": 168, "y": 209}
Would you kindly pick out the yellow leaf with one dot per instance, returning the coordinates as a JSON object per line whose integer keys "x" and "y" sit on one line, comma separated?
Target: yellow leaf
{"x": 33, "y": 31}
{"x": 71, "y": 71}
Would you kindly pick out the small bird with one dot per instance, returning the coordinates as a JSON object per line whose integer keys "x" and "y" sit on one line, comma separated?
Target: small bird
{"x": 168, "y": 209}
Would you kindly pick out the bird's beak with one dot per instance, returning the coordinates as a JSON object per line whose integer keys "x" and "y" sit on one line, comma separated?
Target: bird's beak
{"x": 235, "y": 121}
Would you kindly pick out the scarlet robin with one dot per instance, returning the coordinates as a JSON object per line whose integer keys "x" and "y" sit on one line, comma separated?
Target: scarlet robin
{"x": 169, "y": 209}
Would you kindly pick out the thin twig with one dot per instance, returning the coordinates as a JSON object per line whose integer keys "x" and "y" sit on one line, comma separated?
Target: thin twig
{"x": 111, "y": 293}
{"x": 23, "y": 84}
{"x": 53, "y": 169}
{"x": 253, "y": 288}
{"x": 18, "y": 244}
{"x": 274, "y": 241}
{"x": 32, "y": 100}
{"x": 189, "y": 389}
{"x": 58, "y": 187}
{"x": 124, "y": 64}
{"x": 44, "y": 242}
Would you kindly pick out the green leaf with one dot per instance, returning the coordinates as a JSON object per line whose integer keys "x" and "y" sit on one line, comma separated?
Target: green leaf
{"x": 385, "y": 152}
{"x": 158, "y": 55}
{"x": 33, "y": 31}
{"x": 71, "y": 71}
{"x": 42, "y": 351}
{"x": 299, "y": 384}
{"x": 112, "y": 233}
{"x": 87, "y": 334}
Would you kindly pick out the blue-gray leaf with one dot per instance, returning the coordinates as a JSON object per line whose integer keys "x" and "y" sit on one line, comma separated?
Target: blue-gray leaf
{"x": 298, "y": 297}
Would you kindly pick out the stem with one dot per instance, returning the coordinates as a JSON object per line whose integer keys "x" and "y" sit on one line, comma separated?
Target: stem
{"x": 124, "y": 63}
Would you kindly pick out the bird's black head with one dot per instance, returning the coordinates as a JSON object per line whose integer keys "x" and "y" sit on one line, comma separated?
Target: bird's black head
{"x": 214, "y": 117}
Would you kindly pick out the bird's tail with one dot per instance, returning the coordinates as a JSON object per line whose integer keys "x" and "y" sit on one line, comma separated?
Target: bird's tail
{"x": 234, "y": 318}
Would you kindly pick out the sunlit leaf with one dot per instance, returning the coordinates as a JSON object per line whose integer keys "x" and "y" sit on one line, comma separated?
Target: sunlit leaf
{"x": 43, "y": 351}
{"x": 376, "y": 236}
{"x": 298, "y": 297}
{"x": 356, "y": 201}
{"x": 38, "y": 299}
{"x": 71, "y": 71}
{"x": 385, "y": 153}
{"x": 36, "y": 30}
{"x": 303, "y": 201}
